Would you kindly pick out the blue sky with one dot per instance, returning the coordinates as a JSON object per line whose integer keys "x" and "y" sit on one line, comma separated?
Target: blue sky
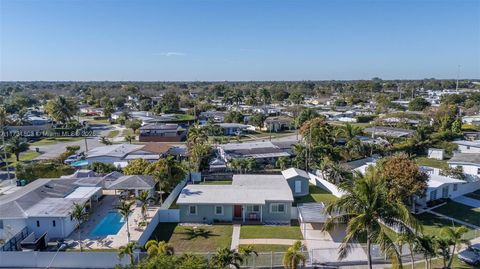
{"x": 238, "y": 40}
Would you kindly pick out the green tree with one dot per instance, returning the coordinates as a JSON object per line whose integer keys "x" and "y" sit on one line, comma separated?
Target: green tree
{"x": 294, "y": 257}
{"x": 133, "y": 124}
{"x": 17, "y": 145}
{"x": 191, "y": 261}
{"x": 427, "y": 246}
{"x": 418, "y": 104}
{"x": 455, "y": 235}
{"x": 168, "y": 172}
{"x": 62, "y": 109}
{"x": 199, "y": 156}
{"x": 369, "y": 212}
{"x": 225, "y": 257}
{"x": 125, "y": 209}
{"x": 127, "y": 250}
{"x": 247, "y": 252}
{"x": 155, "y": 247}
{"x": 196, "y": 135}
{"x": 80, "y": 215}
{"x": 305, "y": 115}
{"x": 257, "y": 119}
{"x": 129, "y": 138}
{"x": 136, "y": 167}
{"x": 234, "y": 116}
{"x": 102, "y": 168}
{"x": 282, "y": 162}
{"x": 143, "y": 198}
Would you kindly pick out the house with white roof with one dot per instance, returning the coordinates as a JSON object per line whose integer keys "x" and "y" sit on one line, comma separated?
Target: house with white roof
{"x": 469, "y": 162}
{"x": 264, "y": 152}
{"x": 113, "y": 154}
{"x": 250, "y": 198}
{"x": 465, "y": 146}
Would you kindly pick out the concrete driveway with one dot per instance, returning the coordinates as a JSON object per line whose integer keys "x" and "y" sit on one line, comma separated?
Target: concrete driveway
{"x": 323, "y": 246}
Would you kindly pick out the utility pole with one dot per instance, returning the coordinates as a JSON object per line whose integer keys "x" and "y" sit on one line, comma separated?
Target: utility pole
{"x": 458, "y": 75}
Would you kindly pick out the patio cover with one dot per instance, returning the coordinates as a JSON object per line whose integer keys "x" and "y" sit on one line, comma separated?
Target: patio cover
{"x": 312, "y": 213}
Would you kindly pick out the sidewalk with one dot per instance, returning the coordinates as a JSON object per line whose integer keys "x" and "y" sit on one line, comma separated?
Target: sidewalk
{"x": 235, "y": 236}
{"x": 269, "y": 241}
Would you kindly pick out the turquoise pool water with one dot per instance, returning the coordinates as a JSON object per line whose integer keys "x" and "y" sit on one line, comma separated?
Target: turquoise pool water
{"x": 109, "y": 225}
{"x": 79, "y": 163}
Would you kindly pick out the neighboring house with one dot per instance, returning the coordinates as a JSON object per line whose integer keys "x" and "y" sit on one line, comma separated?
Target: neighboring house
{"x": 113, "y": 154}
{"x": 162, "y": 133}
{"x": 215, "y": 116}
{"x": 470, "y": 162}
{"x": 151, "y": 151}
{"x": 278, "y": 124}
{"x": 133, "y": 183}
{"x": 471, "y": 119}
{"x": 262, "y": 152}
{"x": 388, "y": 131}
{"x": 251, "y": 198}
{"x": 44, "y": 206}
{"x": 37, "y": 120}
{"x": 442, "y": 187}
{"x": 468, "y": 146}
{"x": 232, "y": 128}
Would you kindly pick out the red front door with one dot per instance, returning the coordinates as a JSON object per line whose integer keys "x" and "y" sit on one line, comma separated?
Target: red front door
{"x": 237, "y": 211}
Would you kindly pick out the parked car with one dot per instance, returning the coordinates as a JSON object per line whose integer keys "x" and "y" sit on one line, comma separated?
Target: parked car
{"x": 72, "y": 158}
{"x": 471, "y": 255}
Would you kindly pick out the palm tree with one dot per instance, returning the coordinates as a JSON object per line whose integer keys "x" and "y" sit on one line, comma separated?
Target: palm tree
{"x": 368, "y": 212}
{"x": 155, "y": 247}
{"x": 293, "y": 257}
{"x": 196, "y": 135}
{"x": 125, "y": 209}
{"x": 127, "y": 250}
{"x": 129, "y": 138}
{"x": 17, "y": 145}
{"x": 411, "y": 240}
{"x": 225, "y": 257}
{"x": 455, "y": 236}
{"x": 144, "y": 198}
{"x": 427, "y": 246}
{"x": 79, "y": 214}
{"x": 247, "y": 251}
{"x": 349, "y": 131}
{"x": 282, "y": 162}
{"x": 61, "y": 109}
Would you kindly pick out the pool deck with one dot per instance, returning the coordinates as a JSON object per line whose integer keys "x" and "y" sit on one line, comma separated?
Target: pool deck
{"x": 107, "y": 204}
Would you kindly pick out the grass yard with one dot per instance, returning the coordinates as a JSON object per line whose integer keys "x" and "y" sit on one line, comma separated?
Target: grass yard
{"x": 215, "y": 236}
{"x": 113, "y": 133}
{"x": 216, "y": 182}
{"x": 316, "y": 195}
{"x": 460, "y": 211}
{"x": 268, "y": 248}
{"x": 432, "y": 224}
{"x": 24, "y": 157}
{"x": 265, "y": 231}
{"x": 474, "y": 195}
{"x": 424, "y": 161}
{"x": 55, "y": 140}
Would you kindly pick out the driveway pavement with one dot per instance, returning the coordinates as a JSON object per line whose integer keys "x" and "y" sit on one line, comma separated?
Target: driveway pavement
{"x": 324, "y": 246}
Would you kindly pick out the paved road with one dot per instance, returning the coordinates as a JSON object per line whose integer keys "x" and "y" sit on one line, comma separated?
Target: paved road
{"x": 54, "y": 150}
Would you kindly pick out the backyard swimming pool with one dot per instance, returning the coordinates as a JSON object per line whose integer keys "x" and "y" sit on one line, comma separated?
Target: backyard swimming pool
{"x": 109, "y": 225}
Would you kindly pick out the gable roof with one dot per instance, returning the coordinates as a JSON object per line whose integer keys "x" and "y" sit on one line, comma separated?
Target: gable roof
{"x": 119, "y": 150}
{"x": 132, "y": 182}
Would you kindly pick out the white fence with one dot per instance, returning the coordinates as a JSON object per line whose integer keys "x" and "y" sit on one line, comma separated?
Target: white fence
{"x": 322, "y": 183}
{"x": 36, "y": 259}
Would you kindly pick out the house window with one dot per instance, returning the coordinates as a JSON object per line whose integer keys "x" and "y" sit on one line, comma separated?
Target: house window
{"x": 277, "y": 208}
{"x": 433, "y": 195}
{"x": 478, "y": 171}
{"x": 253, "y": 208}
{"x": 218, "y": 210}
{"x": 53, "y": 223}
{"x": 298, "y": 186}
{"x": 192, "y": 210}
{"x": 38, "y": 223}
{"x": 455, "y": 187}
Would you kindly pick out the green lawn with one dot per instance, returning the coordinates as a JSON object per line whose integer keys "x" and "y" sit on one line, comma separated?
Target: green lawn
{"x": 460, "y": 211}
{"x": 24, "y": 156}
{"x": 265, "y": 231}
{"x": 474, "y": 195}
{"x": 216, "y": 182}
{"x": 55, "y": 140}
{"x": 269, "y": 248}
{"x": 217, "y": 236}
{"x": 316, "y": 195}
{"x": 113, "y": 133}
{"x": 432, "y": 224}
{"x": 424, "y": 161}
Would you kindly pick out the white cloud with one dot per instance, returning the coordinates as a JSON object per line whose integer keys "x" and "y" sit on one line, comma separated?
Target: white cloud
{"x": 170, "y": 53}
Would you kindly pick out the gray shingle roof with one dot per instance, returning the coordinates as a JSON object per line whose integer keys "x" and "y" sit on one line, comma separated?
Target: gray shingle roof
{"x": 132, "y": 182}
{"x": 467, "y": 158}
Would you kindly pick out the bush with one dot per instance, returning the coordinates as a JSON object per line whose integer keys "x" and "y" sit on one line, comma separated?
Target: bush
{"x": 365, "y": 118}
{"x": 43, "y": 169}
{"x": 102, "y": 168}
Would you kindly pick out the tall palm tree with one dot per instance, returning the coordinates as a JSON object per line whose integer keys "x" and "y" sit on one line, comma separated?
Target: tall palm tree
{"x": 455, "y": 236}
{"x": 196, "y": 135}
{"x": 155, "y": 247}
{"x": 62, "y": 109}
{"x": 17, "y": 145}
{"x": 225, "y": 258}
{"x": 427, "y": 246}
{"x": 127, "y": 250}
{"x": 79, "y": 214}
{"x": 125, "y": 209}
{"x": 247, "y": 251}
{"x": 294, "y": 257}
{"x": 144, "y": 198}
{"x": 349, "y": 131}
{"x": 366, "y": 209}
{"x": 411, "y": 240}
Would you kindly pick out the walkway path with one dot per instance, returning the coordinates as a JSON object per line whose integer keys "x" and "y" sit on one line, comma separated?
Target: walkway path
{"x": 235, "y": 236}
{"x": 269, "y": 241}
{"x": 467, "y": 201}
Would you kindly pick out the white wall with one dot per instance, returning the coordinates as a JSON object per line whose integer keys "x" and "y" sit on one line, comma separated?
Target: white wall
{"x": 320, "y": 182}
{"x": 63, "y": 226}
{"x": 468, "y": 168}
{"x": 462, "y": 189}
{"x": 36, "y": 259}
{"x": 468, "y": 149}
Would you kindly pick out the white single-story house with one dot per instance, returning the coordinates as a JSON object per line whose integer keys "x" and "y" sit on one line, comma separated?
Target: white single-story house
{"x": 465, "y": 146}
{"x": 470, "y": 162}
